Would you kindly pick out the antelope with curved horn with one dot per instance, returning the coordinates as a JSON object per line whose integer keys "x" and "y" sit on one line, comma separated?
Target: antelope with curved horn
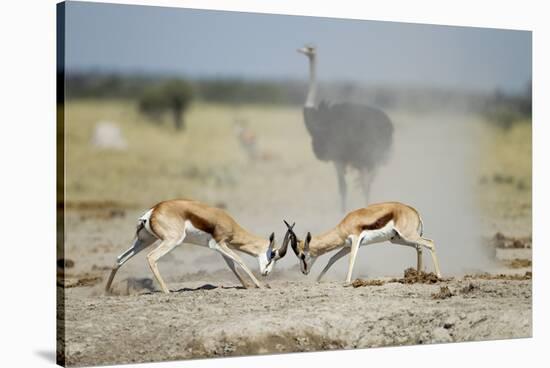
{"x": 174, "y": 222}
{"x": 392, "y": 221}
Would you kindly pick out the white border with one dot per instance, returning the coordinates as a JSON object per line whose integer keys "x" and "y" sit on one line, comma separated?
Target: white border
{"x": 28, "y": 179}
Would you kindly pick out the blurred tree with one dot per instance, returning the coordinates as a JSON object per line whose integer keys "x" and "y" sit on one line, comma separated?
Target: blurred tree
{"x": 171, "y": 96}
{"x": 505, "y": 109}
{"x": 151, "y": 104}
{"x": 178, "y": 95}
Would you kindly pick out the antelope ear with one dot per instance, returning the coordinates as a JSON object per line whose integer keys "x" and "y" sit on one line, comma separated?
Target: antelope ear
{"x": 272, "y": 239}
{"x": 308, "y": 237}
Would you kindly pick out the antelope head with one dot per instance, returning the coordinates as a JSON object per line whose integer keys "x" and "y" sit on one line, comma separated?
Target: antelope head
{"x": 301, "y": 249}
{"x": 273, "y": 255}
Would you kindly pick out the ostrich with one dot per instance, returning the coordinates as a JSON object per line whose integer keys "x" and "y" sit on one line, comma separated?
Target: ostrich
{"x": 346, "y": 134}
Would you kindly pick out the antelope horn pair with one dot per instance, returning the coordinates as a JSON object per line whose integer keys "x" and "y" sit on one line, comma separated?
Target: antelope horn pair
{"x": 294, "y": 242}
{"x": 280, "y": 252}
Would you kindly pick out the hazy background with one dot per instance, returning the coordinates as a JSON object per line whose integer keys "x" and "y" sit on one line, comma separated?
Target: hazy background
{"x": 201, "y": 43}
{"x": 459, "y": 98}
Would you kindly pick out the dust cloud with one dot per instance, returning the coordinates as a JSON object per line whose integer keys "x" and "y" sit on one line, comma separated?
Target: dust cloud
{"x": 431, "y": 167}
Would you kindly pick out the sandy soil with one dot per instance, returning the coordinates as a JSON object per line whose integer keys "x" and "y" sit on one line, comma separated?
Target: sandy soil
{"x": 430, "y": 170}
{"x": 206, "y": 320}
{"x": 208, "y": 314}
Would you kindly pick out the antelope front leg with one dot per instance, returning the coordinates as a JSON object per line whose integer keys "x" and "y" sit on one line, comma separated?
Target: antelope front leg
{"x": 231, "y": 265}
{"x": 354, "y": 248}
{"x": 342, "y": 252}
{"x": 226, "y": 251}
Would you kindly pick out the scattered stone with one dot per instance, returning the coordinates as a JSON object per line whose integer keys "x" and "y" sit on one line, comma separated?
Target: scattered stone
{"x": 107, "y": 135}
{"x": 443, "y": 293}
{"x": 82, "y": 281}
{"x": 412, "y": 276}
{"x": 360, "y": 283}
{"x": 469, "y": 288}
{"x": 486, "y": 276}
{"x": 441, "y": 335}
{"x": 502, "y": 241}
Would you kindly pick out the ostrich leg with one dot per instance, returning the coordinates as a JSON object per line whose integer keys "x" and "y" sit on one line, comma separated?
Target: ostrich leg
{"x": 366, "y": 177}
{"x": 342, "y": 188}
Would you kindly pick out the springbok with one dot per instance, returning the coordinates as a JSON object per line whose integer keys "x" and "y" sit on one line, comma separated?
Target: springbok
{"x": 173, "y": 222}
{"x": 393, "y": 221}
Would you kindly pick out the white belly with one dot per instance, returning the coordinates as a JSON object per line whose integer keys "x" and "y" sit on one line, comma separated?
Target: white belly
{"x": 376, "y": 236}
{"x": 196, "y": 236}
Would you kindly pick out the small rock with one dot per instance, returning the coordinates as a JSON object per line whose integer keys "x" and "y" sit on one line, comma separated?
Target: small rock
{"x": 441, "y": 335}
{"x": 108, "y": 135}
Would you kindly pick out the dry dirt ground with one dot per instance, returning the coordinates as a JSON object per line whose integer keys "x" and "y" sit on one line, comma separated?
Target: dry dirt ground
{"x": 207, "y": 315}
{"x": 200, "y": 320}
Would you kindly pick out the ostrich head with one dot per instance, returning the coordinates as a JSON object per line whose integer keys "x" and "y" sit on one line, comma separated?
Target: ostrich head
{"x": 308, "y": 50}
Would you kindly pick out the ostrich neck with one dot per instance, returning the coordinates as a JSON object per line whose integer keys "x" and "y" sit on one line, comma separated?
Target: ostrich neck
{"x": 312, "y": 92}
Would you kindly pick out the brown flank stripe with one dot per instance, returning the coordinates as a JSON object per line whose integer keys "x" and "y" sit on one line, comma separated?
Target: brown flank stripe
{"x": 200, "y": 223}
{"x": 380, "y": 223}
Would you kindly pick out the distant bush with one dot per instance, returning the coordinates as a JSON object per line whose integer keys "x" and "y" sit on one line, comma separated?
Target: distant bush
{"x": 227, "y": 90}
{"x": 506, "y": 109}
{"x": 499, "y": 108}
{"x": 241, "y": 91}
{"x": 105, "y": 85}
{"x": 172, "y": 96}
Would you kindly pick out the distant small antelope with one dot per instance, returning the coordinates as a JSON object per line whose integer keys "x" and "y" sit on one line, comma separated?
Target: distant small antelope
{"x": 392, "y": 221}
{"x": 247, "y": 139}
{"x": 178, "y": 221}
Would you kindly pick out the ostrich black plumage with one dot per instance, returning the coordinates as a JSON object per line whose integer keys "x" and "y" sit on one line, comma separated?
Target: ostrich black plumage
{"x": 349, "y": 135}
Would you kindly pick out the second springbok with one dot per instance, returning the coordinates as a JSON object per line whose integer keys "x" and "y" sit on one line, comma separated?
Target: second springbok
{"x": 174, "y": 222}
{"x": 391, "y": 221}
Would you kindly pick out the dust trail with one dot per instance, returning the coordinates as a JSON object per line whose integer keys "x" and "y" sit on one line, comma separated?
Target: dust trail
{"x": 430, "y": 169}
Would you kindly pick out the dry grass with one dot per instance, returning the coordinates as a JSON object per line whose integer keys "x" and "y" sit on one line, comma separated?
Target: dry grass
{"x": 163, "y": 163}
{"x": 207, "y": 163}
{"x": 506, "y": 178}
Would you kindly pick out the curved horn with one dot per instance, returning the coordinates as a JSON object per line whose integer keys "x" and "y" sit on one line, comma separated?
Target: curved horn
{"x": 293, "y": 238}
{"x": 271, "y": 241}
{"x": 306, "y": 243}
{"x": 282, "y": 250}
